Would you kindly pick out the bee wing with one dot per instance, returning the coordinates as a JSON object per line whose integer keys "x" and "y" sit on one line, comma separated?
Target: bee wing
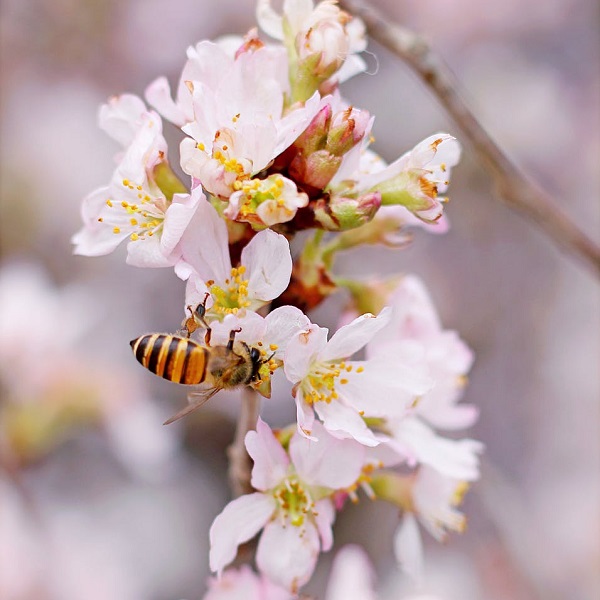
{"x": 197, "y": 399}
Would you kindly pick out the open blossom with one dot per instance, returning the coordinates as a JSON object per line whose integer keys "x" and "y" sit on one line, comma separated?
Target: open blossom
{"x": 434, "y": 498}
{"x": 239, "y": 121}
{"x": 266, "y": 202}
{"x": 293, "y": 504}
{"x": 414, "y": 181}
{"x": 342, "y": 391}
{"x": 133, "y": 206}
{"x": 263, "y": 274}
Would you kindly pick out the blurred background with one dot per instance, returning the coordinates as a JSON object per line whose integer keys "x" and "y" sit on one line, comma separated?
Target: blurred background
{"x": 98, "y": 500}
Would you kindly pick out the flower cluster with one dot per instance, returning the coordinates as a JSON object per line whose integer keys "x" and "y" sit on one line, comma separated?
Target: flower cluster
{"x": 270, "y": 148}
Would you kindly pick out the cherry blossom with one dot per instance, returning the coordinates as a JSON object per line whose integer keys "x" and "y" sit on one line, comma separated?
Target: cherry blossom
{"x": 413, "y": 181}
{"x": 293, "y": 504}
{"x": 133, "y": 206}
{"x": 263, "y": 274}
{"x": 266, "y": 202}
{"x": 344, "y": 392}
{"x": 240, "y": 122}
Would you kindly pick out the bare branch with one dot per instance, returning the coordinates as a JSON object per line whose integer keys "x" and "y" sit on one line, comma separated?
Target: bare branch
{"x": 240, "y": 465}
{"x": 514, "y": 189}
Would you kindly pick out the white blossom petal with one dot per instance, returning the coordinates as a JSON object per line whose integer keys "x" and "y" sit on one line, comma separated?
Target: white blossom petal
{"x": 268, "y": 265}
{"x": 301, "y": 350}
{"x": 120, "y": 117}
{"x": 458, "y": 459}
{"x": 305, "y": 416}
{"x": 282, "y": 325}
{"x": 205, "y": 245}
{"x": 352, "y": 337}
{"x": 270, "y": 459}
{"x": 343, "y": 421}
{"x": 408, "y": 548}
{"x": 239, "y": 521}
{"x": 178, "y": 217}
{"x": 148, "y": 253}
{"x": 158, "y": 95}
{"x": 330, "y": 462}
{"x": 324, "y": 520}
{"x": 286, "y": 557}
{"x": 351, "y": 576}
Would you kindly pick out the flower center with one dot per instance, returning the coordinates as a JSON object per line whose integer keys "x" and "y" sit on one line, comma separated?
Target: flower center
{"x": 145, "y": 217}
{"x": 232, "y": 297}
{"x": 320, "y": 384}
{"x": 257, "y": 191}
{"x": 294, "y": 501}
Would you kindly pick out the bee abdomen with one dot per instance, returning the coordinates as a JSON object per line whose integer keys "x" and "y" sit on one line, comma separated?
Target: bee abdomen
{"x": 172, "y": 357}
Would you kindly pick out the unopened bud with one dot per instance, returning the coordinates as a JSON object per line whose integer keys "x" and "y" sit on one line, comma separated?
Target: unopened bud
{"x": 316, "y": 169}
{"x": 340, "y": 214}
{"x": 348, "y": 127}
{"x": 314, "y": 137}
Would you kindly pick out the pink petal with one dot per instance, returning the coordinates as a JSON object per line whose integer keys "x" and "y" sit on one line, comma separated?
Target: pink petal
{"x": 324, "y": 520}
{"x": 287, "y": 555}
{"x": 330, "y": 462}
{"x": 343, "y": 421}
{"x": 301, "y": 350}
{"x": 270, "y": 459}
{"x": 239, "y": 521}
{"x": 352, "y": 337}
{"x": 351, "y": 576}
{"x": 148, "y": 252}
{"x": 178, "y": 217}
{"x": 205, "y": 244}
{"x": 305, "y": 416}
{"x": 408, "y": 548}
{"x": 268, "y": 265}
{"x": 120, "y": 117}
{"x": 158, "y": 95}
{"x": 282, "y": 325}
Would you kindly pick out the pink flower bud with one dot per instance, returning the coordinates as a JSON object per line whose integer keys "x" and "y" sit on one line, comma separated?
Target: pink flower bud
{"x": 347, "y": 128}
{"x": 342, "y": 213}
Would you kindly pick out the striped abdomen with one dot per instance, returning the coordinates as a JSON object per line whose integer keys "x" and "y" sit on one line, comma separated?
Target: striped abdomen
{"x": 171, "y": 357}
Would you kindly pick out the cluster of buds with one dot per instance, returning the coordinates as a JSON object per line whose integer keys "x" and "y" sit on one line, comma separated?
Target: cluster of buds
{"x": 271, "y": 148}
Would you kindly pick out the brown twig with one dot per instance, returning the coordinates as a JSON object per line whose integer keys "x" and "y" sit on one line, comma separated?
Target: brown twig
{"x": 514, "y": 189}
{"x": 240, "y": 465}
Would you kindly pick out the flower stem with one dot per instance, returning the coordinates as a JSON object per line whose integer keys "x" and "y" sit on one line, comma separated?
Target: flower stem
{"x": 240, "y": 465}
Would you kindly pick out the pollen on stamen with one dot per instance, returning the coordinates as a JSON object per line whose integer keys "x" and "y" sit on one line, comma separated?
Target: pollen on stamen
{"x": 116, "y": 230}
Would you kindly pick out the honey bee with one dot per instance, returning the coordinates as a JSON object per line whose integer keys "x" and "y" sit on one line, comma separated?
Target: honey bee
{"x": 183, "y": 360}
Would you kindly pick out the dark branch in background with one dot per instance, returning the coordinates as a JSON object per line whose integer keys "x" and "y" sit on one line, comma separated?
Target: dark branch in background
{"x": 514, "y": 189}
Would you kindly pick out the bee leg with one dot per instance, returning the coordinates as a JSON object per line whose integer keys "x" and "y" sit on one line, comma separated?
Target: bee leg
{"x": 232, "y": 337}
{"x": 199, "y": 315}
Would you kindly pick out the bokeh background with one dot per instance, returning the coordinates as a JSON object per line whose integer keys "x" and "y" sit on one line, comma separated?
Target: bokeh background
{"x": 100, "y": 501}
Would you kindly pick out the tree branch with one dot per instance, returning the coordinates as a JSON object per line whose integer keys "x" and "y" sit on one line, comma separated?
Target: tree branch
{"x": 240, "y": 465}
{"x": 514, "y": 189}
